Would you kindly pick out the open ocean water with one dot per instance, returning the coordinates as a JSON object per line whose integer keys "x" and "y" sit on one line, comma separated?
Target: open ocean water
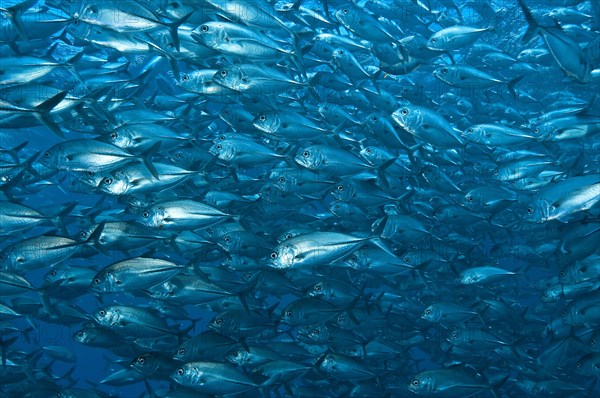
{"x": 228, "y": 198}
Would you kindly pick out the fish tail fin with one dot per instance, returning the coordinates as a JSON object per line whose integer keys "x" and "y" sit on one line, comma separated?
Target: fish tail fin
{"x": 511, "y": 86}
{"x": 377, "y": 241}
{"x": 297, "y": 56}
{"x": 297, "y": 49}
{"x": 70, "y": 65}
{"x": 173, "y": 26}
{"x": 61, "y": 214}
{"x": 147, "y": 162}
{"x": 533, "y": 25}
{"x": 496, "y": 386}
{"x": 94, "y": 239}
{"x": 5, "y": 344}
{"x": 182, "y": 333}
{"x": 28, "y": 165}
{"x": 243, "y": 293}
{"x": 15, "y": 150}
{"x": 375, "y": 303}
{"x": 168, "y": 56}
{"x": 149, "y": 389}
{"x": 14, "y": 14}
{"x": 42, "y": 113}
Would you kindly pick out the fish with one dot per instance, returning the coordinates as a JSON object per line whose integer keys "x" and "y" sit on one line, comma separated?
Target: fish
{"x": 181, "y": 214}
{"x": 446, "y": 383}
{"x": 90, "y": 155}
{"x": 134, "y": 274}
{"x": 455, "y": 37}
{"x": 469, "y": 77}
{"x": 299, "y": 198}
{"x": 317, "y": 248}
{"x": 428, "y": 126}
{"x": 566, "y": 52}
{"x": 212, "y": 377}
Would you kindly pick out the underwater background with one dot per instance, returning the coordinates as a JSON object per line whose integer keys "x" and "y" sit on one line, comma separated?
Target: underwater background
{"x": 299, "y": 199}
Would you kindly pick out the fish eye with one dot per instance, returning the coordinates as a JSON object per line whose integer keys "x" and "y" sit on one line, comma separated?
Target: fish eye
{"x": 428, "y": 312}
{"x": 113, "y": 136}
{"x": 108, "y": 181}
{"x": 536, "y": 130}
{"x": 469, "y": 131}
{"x": 460, "y": 276}
{"x": 316, "y": 331}
{"x": 404, "y": 111}
{"x": 181, "y": 351}
{"x": 341, "y": 319}
{"x": 496, "y": 171}
{"x": 529, "y": 210}
{"x": 219, "y": 321}
{"x": 185, "y": 78}
{"x": 262, "y": 118}
{"x": 90, "y": 173}
{"x": 564, "y": 314}
{"x": 469, "y": 198}
{"x": 561, "y": 274}
{"x": 444, "y": 70}
{"x": 340, "y": 187}
{"x": 318, "y": 288}
{"x": 145, "y": 214}
{"x": 46, "y": 154}
{"x": 433, "y": 39}
{"x": 288, "y": 236}
{"x": 289, "y": 314}
{"x": 82, "y": 234}
{"x": 227, "y": 239}
{"x": 53, "y": 273}
{"x": 219, "y": 146}
{"x": 102, "y": 313}
{"x": 141, "y": 360}
{"x": 223, "y": 73}
{"x": 345, "y": 11}
{"x": 273, "y": 255}
{"x": 178, "y": 155}
{"x": 180, "y": 371}
{"x": 281, "y": 179}
{"x": 96, "y": 281}
{"x": 368, "y": 150}
{"x": 305, "y": 154}
{"x": 578, "y": 364}
{"x": 406, "y": 259}
{"x": 234, "y": 353}
{"x": 80, "y": 333}
{"x": 415, "y": 383}
{"x": 354, "y": 258}
{"x": 455, "y": 336}
{"x": 204, "y": 28}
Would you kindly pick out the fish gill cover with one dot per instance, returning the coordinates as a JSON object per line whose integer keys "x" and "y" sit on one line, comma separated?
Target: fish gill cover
{"x": 382, "y": 198}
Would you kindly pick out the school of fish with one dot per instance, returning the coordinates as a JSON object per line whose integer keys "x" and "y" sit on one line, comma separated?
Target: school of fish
{"x": 254, "y": 198}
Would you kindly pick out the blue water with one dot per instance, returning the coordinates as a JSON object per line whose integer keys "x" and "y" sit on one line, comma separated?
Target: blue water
{"x": 424, "y": 178}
